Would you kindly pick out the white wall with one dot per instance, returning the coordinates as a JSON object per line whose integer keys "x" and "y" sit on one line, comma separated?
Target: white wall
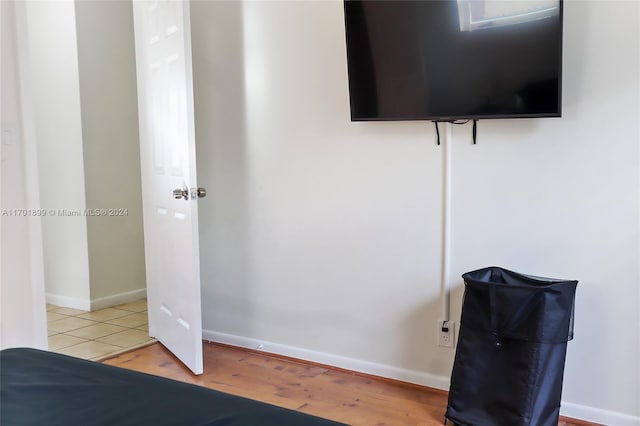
{"x": 308, "y": 226}
{"x": 321, "y": 237}
{"x": 22, "y": 307}
{"x": 53, "y": 59}
{"x": 107, "y": 73}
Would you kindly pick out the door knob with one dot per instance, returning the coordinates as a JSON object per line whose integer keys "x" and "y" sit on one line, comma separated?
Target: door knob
{"x": 198, "y": 193}
{"x": 181, "y": 193}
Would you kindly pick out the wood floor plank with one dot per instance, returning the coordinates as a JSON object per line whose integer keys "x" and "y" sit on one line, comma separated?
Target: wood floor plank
{"x": 313, "y": 389}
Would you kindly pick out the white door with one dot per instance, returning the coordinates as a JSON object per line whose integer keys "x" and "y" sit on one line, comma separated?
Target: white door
{"x": 168, "y": 163}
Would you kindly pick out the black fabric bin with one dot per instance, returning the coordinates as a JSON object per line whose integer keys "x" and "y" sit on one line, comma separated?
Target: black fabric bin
{"x": 511, "y": 349}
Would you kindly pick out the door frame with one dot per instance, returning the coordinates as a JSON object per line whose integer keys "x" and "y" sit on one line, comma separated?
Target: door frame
{"x": 35, "y": 263}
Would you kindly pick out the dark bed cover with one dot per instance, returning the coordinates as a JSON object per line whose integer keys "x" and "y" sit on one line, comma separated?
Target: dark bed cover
{"x": 45, "y": 388}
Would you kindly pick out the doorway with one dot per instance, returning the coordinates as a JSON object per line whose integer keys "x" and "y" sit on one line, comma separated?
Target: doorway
{"x": 83, "y": 84}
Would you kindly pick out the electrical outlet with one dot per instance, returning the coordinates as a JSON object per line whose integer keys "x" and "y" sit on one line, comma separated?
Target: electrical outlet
{"x": 446, "y": 334}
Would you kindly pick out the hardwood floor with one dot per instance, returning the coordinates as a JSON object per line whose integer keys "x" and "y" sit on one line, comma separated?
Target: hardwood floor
{"x": 319, "y": 390}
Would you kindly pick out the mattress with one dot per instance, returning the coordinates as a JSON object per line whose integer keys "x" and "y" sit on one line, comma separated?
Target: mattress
{"x": 45, "y": 388}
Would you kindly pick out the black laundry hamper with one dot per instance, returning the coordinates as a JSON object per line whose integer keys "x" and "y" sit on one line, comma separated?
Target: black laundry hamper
{"x": 511, "y": 349}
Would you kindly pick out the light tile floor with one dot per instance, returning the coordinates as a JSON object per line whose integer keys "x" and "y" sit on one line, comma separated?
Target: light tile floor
{"x": 98, "y": 334}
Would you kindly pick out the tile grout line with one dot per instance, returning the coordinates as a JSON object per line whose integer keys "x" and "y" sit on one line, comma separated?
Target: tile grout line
{"x": 117, "y": 346}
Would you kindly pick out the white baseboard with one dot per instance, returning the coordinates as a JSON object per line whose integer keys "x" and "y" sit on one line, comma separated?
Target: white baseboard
{"x": 117, "y": 299}
{"x": 95, "y": 304}
{"x": 598, "y": 415}
{"x": 68, "y": 302}
{"x": 382, "y": 370}
{"x": 567, "y": 409}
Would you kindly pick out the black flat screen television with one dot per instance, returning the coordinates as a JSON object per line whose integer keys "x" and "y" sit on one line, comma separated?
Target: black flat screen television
{"x": 454, "y": 60}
